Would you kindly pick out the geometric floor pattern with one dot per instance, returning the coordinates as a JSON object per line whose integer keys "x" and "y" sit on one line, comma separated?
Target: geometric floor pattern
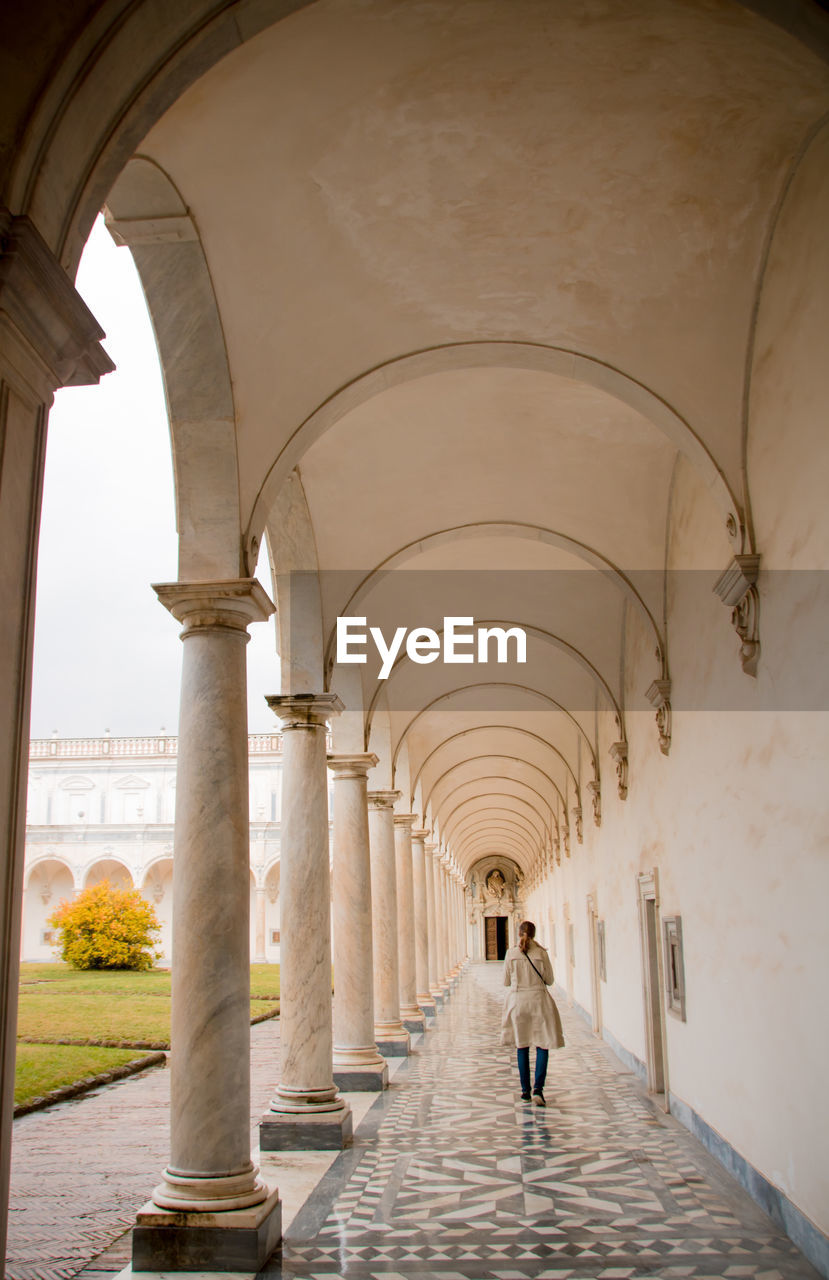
{"x": 451, "y": 1176}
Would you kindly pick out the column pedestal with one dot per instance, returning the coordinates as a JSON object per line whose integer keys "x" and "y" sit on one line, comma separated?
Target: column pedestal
{"x": 358, "y": 1067}
{"x": 241, "y": 1240}
{"x": 306, "y": 1112}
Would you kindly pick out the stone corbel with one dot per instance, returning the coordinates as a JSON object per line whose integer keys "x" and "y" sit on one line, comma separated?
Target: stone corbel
{"x": 619, "y": 755}
{"x": 565, "y": 834}
{"x": 737, "y": 588}
{"x": 578, "y": 823}
{"x": 595, "y": 789}
{"x": 659, "y": 696}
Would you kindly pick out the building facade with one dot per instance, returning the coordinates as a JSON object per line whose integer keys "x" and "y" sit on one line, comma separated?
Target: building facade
{"x": 104, "y": 808}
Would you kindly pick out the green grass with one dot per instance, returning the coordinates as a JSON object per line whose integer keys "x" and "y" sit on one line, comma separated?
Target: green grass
{"x": 41, "y": 1068}
{"x": 58, "y": 1003}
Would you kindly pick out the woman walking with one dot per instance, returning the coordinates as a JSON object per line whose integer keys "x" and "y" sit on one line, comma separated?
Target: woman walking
{"x": 530, "y": 1012}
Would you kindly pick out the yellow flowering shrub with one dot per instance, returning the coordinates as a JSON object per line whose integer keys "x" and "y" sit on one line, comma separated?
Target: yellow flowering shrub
{"x": 107, "y": 928}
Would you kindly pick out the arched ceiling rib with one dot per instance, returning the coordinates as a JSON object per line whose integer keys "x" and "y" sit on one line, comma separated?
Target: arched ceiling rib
{"x": 360, "y": 139}
{"x": 502, "y": 529}
{"x": 515, "y": 761}
{"x": 530, "y": 631}
{"x": 483, "y": 804}
{"x": 522, "y": 826}
{"x": 451, "y": 802}
{"x": 485, "y": 728}
{"x": 494, "y": 847}
{"x": 450, "y": 351}
{"x": 531, "y": 357}
{"x": 499, "y": 685}
{"x": 495, "y": 829}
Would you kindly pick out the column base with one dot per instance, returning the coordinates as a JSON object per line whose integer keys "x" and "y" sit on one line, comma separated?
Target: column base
{"x": 414, "y": 1020}
{"x": 427, "y": 1006}
{"x": 235, "y": 1240}
{"x": 310, "y": 1131}
{"x": 438, "y": 997}
{"x": 361, "y": 1079}
{"x": 394, "y": 1044}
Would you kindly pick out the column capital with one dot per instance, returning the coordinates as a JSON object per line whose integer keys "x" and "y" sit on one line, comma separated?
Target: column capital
{"x": 304, "y": 710}
{"x": 57, "y": 335}
{"x": 354, "y": 765}
{"x": 405, "y": 819}
{"x": 382, "y": 799}
{"x": 231, "y": 603}
{"x": 420, "y": 833}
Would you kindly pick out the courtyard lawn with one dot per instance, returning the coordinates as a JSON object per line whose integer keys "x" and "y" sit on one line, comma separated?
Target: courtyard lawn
{"x": 40, "y": 1068}
{"x": 112, "y": 1006}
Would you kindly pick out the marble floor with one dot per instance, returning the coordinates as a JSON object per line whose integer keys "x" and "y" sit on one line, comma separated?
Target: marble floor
{"x": 451, "y": 1176}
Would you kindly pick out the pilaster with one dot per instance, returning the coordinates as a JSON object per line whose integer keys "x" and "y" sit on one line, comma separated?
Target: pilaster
{"x": 48, "y": 339}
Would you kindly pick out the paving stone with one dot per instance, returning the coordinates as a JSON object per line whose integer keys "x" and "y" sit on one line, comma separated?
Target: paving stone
{"x": 450, "y": 1176}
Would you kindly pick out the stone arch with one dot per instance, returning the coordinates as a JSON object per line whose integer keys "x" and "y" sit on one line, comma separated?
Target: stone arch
{"x": 503, "y": 529}
{"x": 108, "y": 866}
{"x": 146, "y": 212}
{"x": 480, "y": 903}
{"x": 537, "y": 633}
{"x": 483, "y": 728}
{"x": 514, "y": 355}
{"x": 493, "y": 756}
{"x": 49, "y": 880}
{"x": 494, "y": 777}
{"x": 486, "y": 684}
{"x": 157, "y": 887}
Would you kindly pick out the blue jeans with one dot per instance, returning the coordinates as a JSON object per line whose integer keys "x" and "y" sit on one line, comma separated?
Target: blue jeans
{"x": 541, "y": 1058}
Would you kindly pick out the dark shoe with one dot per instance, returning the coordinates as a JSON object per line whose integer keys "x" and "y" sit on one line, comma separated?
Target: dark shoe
{"x": 538, "y": 1098}
{"x": 525, "y": 1097}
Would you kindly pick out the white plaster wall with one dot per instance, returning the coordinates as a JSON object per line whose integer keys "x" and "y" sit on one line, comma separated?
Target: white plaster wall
{"x": 734, "y": 820}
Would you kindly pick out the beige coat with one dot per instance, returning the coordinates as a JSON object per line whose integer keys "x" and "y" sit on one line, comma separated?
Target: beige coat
{"x": 530, "y": 1013}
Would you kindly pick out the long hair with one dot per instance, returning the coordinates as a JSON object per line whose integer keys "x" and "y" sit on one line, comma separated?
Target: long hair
{"x": 526, "y": 933}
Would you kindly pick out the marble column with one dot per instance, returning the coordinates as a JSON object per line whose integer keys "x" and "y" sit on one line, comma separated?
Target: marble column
{"x": 391, "y": 1036}
{"x": 448, "y": 973}
{"x": 306, "y": 1111}
{"x": 211, "y": 1206}
{"x": 462, "y": 923}
{"x": 411, "y": 1014}
{"x": 435, "y": 989}
{"x": 357, "y": 1064}
{"x": 48, "y": 339}
{"x": 425, "y": 999}
{"x": 451, "y": 929}
{"x": 259, "y": 949}
{"x": 446, "y": 963}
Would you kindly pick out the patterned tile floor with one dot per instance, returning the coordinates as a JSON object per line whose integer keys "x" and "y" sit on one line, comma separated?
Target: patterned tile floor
{"x": 450, "y": 1177}
{"x": 453, "y": 1177}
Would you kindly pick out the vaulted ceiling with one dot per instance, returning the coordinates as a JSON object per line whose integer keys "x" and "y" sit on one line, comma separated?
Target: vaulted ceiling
{"x": 482, "y": 272}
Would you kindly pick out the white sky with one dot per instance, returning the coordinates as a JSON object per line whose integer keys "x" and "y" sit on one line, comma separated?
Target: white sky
{"x": 107, "y": 654}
